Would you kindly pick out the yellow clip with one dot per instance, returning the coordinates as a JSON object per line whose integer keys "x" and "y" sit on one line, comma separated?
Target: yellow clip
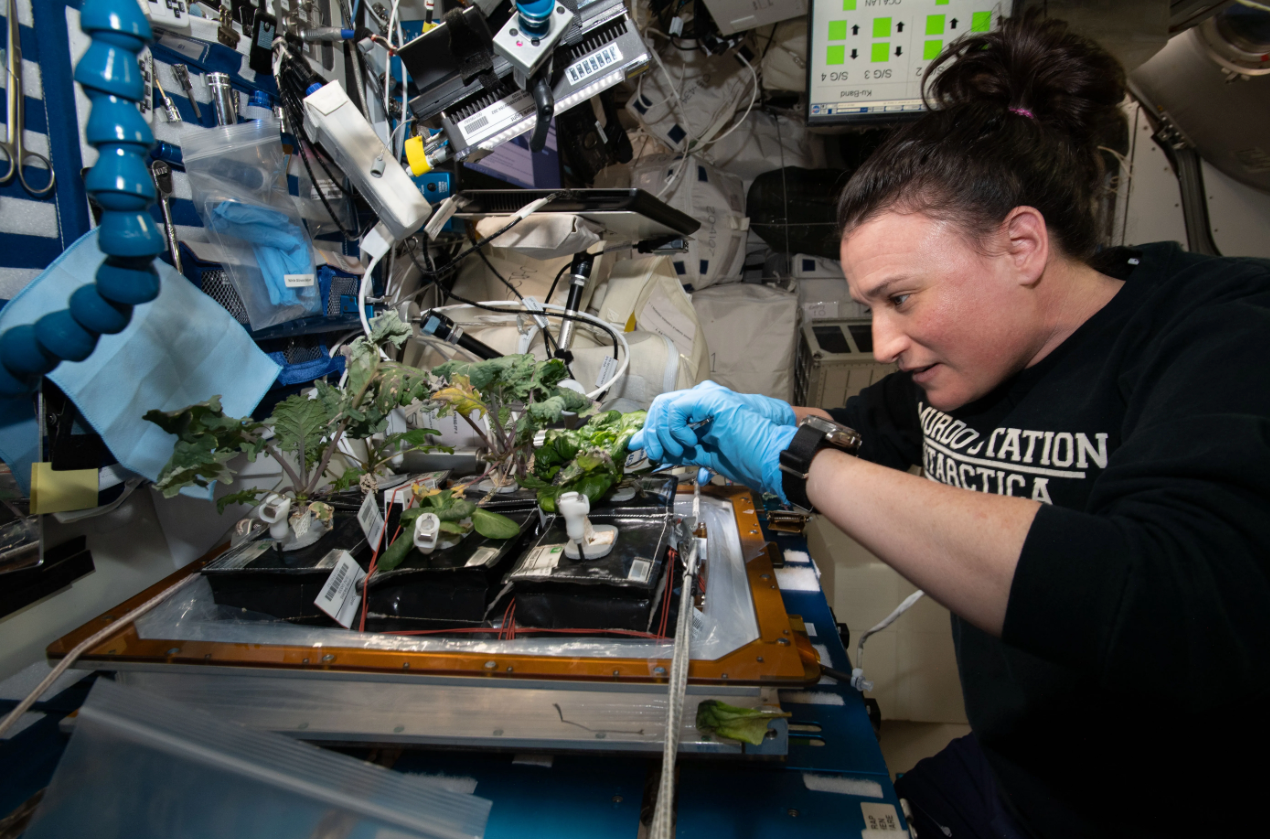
{"x": 415, "y": 156}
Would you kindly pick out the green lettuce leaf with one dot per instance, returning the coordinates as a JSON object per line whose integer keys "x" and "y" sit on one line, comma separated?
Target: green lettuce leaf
{"x": 749, "y": 725}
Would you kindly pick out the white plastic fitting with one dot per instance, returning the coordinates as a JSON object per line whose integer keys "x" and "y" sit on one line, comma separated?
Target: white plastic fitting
{"x": 586, "y": 541}
{"x": 427, "y": 532}
{"x": 274, "y": 512}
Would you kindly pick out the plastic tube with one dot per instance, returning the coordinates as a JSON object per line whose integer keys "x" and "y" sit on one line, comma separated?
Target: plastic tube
{"x": 517, "y": 306}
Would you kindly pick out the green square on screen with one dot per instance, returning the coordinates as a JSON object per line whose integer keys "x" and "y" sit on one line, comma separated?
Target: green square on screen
{"x": 848, "y": 5}
{"x": 934, "y": 24}
{"x": 941, "y": 2}
{"x": 881, "y": 52}
{"x": 837, "y": 55}
{"x": 881, "y": 27}
{"x": 837, "y": 30}
{"x": 931, "y": 50}
{"x": 981, "y": 21}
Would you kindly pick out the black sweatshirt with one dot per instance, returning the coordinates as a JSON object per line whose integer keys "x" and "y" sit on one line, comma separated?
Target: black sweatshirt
{"x": 1129, "y": 692}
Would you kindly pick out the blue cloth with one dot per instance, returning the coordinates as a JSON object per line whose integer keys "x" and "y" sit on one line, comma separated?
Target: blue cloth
{"x": 179, "y": 349}
{"x": 280, "y": 247}
{"x": 734, "y": 441}
{"x": 954, "y": 793}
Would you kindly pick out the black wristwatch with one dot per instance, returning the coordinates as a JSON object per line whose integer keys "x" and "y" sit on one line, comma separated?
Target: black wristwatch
{"x": 814, "y": 434}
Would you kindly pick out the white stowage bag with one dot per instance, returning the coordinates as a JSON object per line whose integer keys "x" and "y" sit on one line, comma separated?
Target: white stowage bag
{"x": 711, "y": 88}
{"x": 752, "y": 331}
{"x": 644, "y": 295}
{"x": 764, "y": 142}
{"x": 785, "y": 65}
{"x": 716, "y": 252}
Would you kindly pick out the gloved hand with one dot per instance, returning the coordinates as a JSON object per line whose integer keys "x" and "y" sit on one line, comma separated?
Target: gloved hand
{"x": 737, "y": 443}
{"x": 666, "y": 416}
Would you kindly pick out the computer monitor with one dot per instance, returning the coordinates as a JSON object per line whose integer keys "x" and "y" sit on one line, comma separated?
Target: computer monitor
{"x": 866, "y": 58}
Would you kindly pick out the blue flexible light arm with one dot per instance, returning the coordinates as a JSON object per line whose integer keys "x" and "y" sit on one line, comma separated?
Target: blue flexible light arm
{"x": 120, "y": 184}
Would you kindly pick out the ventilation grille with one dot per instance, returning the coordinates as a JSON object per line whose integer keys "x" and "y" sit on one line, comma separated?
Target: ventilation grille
{"x": 340, "y": 287}
{"x": 218, "y": 287}
{"x": 607, "y": 33}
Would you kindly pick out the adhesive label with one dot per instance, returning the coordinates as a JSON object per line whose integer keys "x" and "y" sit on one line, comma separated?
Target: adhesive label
{"x": 298, "y": 280}
{"x": 371, "y": 520}
{"x": 482, "y": 557}
{"x": 502, "y": 114}
{"x": 640, "y": 569}
{"x": 698, "y": 623}
{"x": 880, "y": 818}
{"x": 593, "y": 64}
{"x": 541, "y": 561}
{"x": 607, "y": 366}
{"x": 339, "y": 597}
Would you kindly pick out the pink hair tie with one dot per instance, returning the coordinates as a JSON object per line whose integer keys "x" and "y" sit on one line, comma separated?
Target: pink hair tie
{"x": 1023, "y": 112}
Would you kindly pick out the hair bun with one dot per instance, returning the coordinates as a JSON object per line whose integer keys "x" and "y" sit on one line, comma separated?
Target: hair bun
{"x": 1036, "y": 65}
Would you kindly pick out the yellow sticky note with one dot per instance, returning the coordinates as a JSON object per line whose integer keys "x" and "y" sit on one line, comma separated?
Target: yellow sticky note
{"x": 58, "y": 492}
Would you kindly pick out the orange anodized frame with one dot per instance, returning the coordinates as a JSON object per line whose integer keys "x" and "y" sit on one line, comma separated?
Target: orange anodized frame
{"x": 781, "y": 656}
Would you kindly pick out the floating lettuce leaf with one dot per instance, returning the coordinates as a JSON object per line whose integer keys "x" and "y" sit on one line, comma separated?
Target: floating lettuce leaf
{"x": 749, "y": 725}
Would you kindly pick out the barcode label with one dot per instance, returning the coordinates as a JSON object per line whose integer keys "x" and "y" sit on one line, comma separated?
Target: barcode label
{"x": 593, "y": 64}
{"x": 496, "y": 117}
{"x": 334, "y": 585}
{"x": 698, "y": 622}
{"x": 541, "y": 561}
{"x": 639, "y": 570}
{"x": 339, "y": 597}
{"x": 371, "y": 520}
{"x": 298, "y": 280}
{"x": 481, "y": 557}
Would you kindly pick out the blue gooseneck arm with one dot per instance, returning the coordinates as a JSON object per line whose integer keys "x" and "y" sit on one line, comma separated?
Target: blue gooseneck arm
{"x": 120, "y": 184}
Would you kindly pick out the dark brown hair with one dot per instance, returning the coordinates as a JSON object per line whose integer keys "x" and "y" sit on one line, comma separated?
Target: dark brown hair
{"x": 977, "y": 154}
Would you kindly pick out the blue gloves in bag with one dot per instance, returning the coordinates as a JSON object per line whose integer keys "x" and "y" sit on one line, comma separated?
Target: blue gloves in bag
{"x": 742, "y": 441}
{"x": 280, "y": 248}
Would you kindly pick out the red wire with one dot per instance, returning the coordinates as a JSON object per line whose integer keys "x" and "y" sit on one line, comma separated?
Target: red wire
{"x": 374, "y": 561}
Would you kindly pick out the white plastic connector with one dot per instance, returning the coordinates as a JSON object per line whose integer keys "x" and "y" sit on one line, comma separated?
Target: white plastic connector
{"x": 859, "y": 682}
{"x": 274, "y": 511}
{"x": 427, "y": 532}
{"x": 345, "y": 134}
{"x": 586, "y": 541}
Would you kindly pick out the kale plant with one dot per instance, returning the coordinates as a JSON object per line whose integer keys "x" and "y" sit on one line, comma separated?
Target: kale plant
{"x": 306, "y": 431}
{"x": 517, "y": 393}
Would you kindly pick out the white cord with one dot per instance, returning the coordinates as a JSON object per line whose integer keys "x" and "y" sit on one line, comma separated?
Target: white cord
{"x": 739, "y": 122}
{"x": 608, "y": 328}
{"x": 857, "y": 674}
{"x": 662, "y": 813}
{"x": 87, "y": 644}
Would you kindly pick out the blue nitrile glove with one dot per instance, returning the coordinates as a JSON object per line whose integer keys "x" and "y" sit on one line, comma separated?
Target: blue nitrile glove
{"x": 666, "y": 414}
{"x": 737, "y": 443}
{"x": 280, "y": 247}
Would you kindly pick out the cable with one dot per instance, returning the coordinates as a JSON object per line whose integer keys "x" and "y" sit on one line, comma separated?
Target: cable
{"x": 87, "y": 644}
{"x": 560, "y": 312}
{"x": 554, "y": 282}
{"x": 857, "y": 674}
{"x": 662, "y": 813}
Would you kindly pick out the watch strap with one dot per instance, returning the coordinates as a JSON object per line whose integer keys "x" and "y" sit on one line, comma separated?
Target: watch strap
{"x": 795, "y": 462}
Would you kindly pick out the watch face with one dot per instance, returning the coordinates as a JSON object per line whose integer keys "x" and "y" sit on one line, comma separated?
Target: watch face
{"x": 836, "y": 435}
{"x": 821, "y": 424}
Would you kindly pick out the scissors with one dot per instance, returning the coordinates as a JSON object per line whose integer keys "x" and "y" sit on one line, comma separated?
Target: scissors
{"x": 15, "y": 101}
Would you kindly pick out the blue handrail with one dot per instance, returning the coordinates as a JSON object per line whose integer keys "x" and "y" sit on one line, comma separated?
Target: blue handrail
{"x": 120, "y": 184}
